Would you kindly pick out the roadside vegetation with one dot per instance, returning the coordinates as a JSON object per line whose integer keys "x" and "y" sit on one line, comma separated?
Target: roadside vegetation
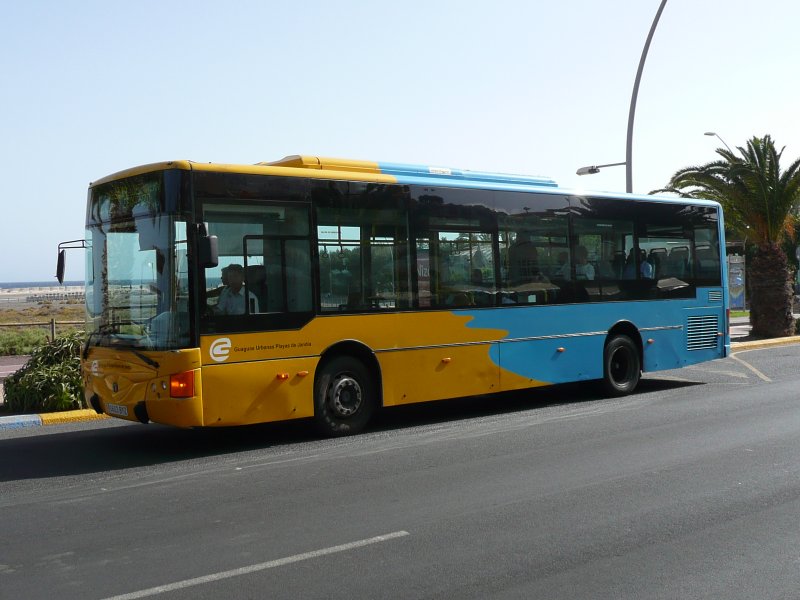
{"x": 760, "y": 200}
{"x": 50, "y": 381}
{"x": 23, "y": 340}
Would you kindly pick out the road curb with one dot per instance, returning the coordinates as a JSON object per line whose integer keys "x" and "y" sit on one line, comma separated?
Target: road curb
{"x": 759, "y": 344}
{"x": 57, "y": 418}
{"x": 20, "y": 421}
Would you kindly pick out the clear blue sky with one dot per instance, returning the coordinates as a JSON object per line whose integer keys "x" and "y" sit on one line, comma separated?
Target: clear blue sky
{"x": 92, "y": 87}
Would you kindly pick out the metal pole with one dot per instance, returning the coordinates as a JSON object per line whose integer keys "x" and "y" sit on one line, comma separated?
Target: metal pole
{"x": 592, "y": 169}
{"x": 629, "y": 150}
{"x": 712, "y": 133}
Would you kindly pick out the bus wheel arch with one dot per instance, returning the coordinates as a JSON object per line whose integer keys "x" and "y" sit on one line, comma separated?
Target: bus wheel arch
{"x": 622, "y": 359}
{"x": 347, "y": 389}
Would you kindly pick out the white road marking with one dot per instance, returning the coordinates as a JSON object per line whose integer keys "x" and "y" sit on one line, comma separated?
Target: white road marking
{"x": 718, "y": 372}
{"x": 729, "y": 373}
{"x": 179, "y": 585}
{"x": 752, "y": 368}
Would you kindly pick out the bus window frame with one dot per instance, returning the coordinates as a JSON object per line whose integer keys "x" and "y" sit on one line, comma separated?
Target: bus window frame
{"x": 264, "y": 320}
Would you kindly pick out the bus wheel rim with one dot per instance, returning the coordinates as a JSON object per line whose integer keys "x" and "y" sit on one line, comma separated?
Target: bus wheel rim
{"x": 620, "y": 368}
{"x": 345, "y": 396}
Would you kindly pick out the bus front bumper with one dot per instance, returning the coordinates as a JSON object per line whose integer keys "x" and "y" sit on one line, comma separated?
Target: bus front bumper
{"x": 118, "y": 383}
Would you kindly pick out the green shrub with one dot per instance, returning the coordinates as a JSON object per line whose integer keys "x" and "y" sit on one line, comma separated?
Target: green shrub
{"x": 51, "y": 380}
{"x": 21, "y": 341}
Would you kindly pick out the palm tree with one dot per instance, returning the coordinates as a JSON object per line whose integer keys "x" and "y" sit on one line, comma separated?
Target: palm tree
{"x": 757, "y": 198}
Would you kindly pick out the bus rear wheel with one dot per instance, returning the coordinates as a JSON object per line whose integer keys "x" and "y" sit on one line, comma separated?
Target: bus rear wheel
{"x": 344, "y": 396}
{"x": 621, "y": 366}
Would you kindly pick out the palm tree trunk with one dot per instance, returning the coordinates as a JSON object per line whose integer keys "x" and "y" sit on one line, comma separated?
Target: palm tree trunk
{"x": 771, "y": 293}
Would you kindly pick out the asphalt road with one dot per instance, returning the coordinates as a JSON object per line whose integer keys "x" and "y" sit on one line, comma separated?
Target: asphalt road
{"x": 688, "y": 489}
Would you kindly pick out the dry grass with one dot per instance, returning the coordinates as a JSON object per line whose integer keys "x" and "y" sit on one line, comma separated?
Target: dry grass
{"x": 23, "y": 340}
{"x": 39, "y": 313}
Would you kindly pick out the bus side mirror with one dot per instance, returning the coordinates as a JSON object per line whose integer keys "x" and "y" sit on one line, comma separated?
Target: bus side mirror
{"x": 62, "y": 260}
{"x": 62, "y": 256}
{"x": 207, "y": 252}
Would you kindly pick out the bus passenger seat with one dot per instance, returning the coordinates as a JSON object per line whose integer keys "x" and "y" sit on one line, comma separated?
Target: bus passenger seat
{"x": 605, "y": 270}
{"x": 618, "y": 263}
{"x": 256, "y": 281}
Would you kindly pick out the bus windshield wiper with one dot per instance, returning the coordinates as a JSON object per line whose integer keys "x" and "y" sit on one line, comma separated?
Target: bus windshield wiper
{"x": 146, "y": 359}
{"x": 103, "y": 328}
{"x": 111, "y": 328}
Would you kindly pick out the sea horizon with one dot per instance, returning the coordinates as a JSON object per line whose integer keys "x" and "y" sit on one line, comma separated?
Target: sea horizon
{"x": 4, "y": 285}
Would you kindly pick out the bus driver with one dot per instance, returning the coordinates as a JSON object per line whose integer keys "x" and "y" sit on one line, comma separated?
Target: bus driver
{"x": 232, "y": 298}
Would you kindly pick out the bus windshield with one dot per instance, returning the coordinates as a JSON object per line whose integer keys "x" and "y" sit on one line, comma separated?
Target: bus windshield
{"x": 137, "y": 292}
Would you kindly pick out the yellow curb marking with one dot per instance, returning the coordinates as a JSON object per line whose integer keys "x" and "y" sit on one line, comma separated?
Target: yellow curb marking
{"x": 761, "y": 344}
{"x": 71, "y": 416}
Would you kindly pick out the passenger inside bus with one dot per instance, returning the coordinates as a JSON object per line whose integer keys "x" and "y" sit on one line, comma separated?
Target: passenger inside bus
{"x": 645, "y": 268}
{"x": 583, "y": 268}
{"x": 523, "y": 260}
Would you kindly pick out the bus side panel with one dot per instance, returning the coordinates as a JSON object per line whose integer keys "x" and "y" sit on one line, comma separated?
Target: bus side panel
{"x": 437, "y": 373}
{"x": 558, "y": 344}
{"x": 535, "y": 363}
{"x": 700, "y": 337}
{"x": 663, "y": 349}
{"x": 257, "y": 392}
{"x": 546, "y": 344}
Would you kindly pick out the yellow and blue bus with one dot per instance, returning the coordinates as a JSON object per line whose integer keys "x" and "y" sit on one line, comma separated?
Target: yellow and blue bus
{"x": 222, "y": 295}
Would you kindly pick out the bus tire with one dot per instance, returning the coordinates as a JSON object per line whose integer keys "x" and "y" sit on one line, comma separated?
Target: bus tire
{"x": 344, "y": 396}
{"x": 621, "y": 366}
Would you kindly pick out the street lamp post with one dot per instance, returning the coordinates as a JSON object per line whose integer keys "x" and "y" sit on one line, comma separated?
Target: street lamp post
{"x": 714, "y": 134}
{"x": 591, "y": 170}
{"x": 632, "y": 112}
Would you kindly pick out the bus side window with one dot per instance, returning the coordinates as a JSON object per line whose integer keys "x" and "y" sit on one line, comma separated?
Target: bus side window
{"x": 363, "y": 246}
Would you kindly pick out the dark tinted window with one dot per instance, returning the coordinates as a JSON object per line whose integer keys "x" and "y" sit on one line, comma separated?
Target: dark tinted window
{"x": 641, "y": 250}
{"x": 456, "y": 248}
{"x": 534, "y": 248}
{"x": 362, "y": 242}
{"x": 264, "y": 279}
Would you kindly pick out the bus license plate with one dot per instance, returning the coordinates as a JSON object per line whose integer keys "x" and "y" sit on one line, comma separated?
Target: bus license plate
{"x": 116, "y": 409}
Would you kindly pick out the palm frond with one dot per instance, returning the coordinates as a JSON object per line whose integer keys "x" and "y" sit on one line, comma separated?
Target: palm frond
{"x": 750, "y": 186}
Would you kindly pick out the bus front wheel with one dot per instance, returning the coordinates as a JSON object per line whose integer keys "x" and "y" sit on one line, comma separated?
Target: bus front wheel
{"x": 344, "y": 397}
{"x": 621, "y": 366}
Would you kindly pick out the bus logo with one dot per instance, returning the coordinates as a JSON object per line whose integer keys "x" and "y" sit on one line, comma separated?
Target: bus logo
{"x": 220, "y": 349}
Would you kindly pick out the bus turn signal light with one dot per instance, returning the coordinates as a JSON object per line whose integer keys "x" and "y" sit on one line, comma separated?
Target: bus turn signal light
{"x": 181, "y": 385}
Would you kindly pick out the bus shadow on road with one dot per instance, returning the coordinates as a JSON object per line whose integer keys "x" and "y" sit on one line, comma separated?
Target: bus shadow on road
{"x": 103, "y": 449}
{"x": 120, "y": 447}
{"x": 508, "y": 403}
